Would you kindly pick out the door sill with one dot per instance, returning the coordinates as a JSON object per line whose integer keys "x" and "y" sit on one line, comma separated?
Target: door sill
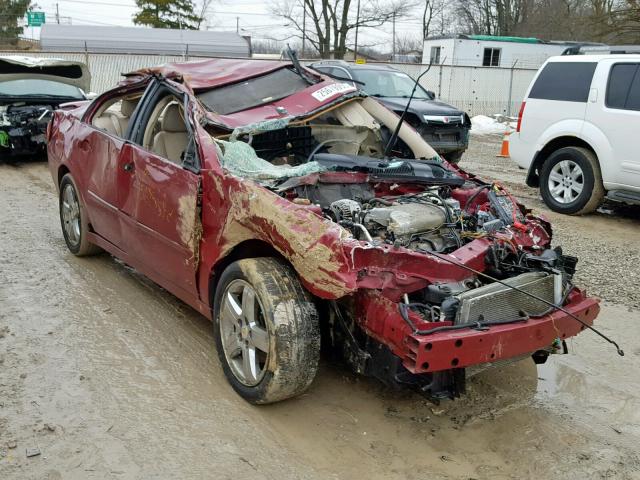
{"x": 624, "y": 196}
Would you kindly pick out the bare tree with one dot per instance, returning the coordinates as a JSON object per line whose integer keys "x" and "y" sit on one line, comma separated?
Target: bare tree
{"x": 329, "y": 22}
{"x": 203, "y": 12}
{"x": 432, "y": 16}
{"x": 408, "y": 44}
{"x": 493, "y": 17}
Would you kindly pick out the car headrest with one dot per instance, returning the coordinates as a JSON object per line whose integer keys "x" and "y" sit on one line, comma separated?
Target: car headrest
{"x": 127, "y": 107}
{"x": 173, "y": 120}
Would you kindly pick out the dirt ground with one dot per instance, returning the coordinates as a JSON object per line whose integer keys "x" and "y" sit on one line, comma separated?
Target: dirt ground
{"x": 110, "y": 377}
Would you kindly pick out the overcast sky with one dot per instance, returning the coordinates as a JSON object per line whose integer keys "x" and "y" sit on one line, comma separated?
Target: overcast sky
{"x": 254, "y": 18}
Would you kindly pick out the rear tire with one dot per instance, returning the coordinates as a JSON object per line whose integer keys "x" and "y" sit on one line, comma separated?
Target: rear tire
{"x": 571, "y": 181}
{"x": 73, "y": 219}
{"x": 266, "y": 330}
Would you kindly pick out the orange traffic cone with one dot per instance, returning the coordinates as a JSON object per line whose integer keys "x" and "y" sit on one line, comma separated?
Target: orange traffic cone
{"x": 504, "y": 151}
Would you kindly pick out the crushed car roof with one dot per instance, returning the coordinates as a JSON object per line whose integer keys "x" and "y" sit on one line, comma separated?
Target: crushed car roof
{"x": 206, "y": 74}
{"x": 14, "y": 67}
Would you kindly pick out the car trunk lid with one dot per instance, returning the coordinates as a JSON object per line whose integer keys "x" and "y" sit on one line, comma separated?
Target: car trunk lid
{"x": 54, "y": 69}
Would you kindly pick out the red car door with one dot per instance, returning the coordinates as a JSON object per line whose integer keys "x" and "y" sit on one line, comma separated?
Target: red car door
{"x": 100, "y": 151}
{"x": 160, "y": 217}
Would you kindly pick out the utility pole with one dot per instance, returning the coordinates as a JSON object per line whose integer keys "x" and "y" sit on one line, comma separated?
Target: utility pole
{"x": 238, "y": 25}
{"x": 57, "y": 14}
{"x": 393, "y": 47}
{"x": 304, "y": 25}
{"x": 355, "y": 47}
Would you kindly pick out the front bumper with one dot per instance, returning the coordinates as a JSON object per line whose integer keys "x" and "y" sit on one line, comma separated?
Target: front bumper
{"x": 446, "y": 139}
{"x": 18, "y": 142}
{"x": 463, "y": 348}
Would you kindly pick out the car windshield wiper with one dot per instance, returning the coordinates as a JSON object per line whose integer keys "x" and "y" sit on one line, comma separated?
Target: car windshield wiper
{"x": 297, "y": 67}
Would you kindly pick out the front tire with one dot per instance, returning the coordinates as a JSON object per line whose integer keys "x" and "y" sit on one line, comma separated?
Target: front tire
{"x": 266, "y": 330}
{"x": 73, "y": 219}
{"x": 571, "y": 181}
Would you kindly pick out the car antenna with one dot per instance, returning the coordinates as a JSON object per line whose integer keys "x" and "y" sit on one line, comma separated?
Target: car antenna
{"x": 394, "y": 137}
{"x": 293, "y": 56}
{"x": 551, "y": 304}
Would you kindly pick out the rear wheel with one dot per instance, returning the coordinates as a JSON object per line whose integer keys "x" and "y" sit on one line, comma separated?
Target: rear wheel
{"x": 73, "y": 219}
{"x": 266, "y": 330}
{"x": 571, "y": 182}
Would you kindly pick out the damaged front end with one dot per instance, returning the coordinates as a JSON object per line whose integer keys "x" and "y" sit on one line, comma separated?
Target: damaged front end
{"x": 23, "y": 129}
{"x": 425, "y": 270}
{"x": 31, "y": 90}
{"x": 424, "y": 309}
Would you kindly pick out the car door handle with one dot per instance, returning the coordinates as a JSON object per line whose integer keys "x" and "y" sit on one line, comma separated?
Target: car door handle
{"x": 128, "y": 167}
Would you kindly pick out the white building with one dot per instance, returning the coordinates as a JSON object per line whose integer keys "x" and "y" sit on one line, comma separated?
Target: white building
{"x": 140, "y": 40}
{"x": 490, "y": 51}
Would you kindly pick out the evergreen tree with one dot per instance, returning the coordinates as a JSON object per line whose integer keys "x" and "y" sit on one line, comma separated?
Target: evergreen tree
{"x": 167, "y": 14}
{"x": 11, "y": 11}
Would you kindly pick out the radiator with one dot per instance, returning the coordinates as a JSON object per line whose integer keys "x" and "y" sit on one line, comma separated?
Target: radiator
{"x": 496, "y": 302}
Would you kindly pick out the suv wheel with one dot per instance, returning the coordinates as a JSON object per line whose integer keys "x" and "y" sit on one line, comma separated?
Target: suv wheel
{"x": 571, "y": 182}
{"x": 266, "y": 330}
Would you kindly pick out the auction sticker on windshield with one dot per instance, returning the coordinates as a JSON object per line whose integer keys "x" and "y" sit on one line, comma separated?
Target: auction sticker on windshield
{"x": 332, "y": 90}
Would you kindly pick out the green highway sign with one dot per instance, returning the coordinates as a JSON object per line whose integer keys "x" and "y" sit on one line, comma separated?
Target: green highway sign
{"x": 35, "y": 19}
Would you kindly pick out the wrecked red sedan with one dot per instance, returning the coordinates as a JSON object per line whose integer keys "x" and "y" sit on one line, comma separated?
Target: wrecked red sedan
{"x": 278, "y": 203}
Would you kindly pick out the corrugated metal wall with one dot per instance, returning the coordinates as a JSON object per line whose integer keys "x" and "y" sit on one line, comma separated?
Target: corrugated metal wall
{"x": 142, "y": 41}
{"x": 477, "y": 90}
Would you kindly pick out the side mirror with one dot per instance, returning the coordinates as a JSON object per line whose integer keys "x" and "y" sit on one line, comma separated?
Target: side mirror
{"x": 431, "y": 94}
{"x": 91, "y": 95}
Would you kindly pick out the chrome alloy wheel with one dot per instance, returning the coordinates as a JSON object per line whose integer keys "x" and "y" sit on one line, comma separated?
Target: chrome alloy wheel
{"x": 244, "y": 334}
{"x": 566, "y": 181}
{"x": 71, "y": 214}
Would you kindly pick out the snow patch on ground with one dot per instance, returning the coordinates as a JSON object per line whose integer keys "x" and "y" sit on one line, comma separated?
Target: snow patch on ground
{"x": 498, "y": 125}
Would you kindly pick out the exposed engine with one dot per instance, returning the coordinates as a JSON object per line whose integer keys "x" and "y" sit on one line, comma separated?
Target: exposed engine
{"x": 422, "y": 221}
{"x": 23, "y": 128}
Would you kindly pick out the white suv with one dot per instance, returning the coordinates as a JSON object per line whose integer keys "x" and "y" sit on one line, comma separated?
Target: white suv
{"x": 578, "y": 129}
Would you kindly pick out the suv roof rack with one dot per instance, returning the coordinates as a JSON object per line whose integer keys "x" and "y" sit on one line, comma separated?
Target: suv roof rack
{"x": 601, "y": 49}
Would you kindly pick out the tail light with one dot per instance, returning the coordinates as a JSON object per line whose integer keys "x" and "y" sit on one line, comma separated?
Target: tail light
{"x": 520, "y": 116}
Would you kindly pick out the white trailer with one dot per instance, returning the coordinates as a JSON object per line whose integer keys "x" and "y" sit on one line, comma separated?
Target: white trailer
{"x": 490, "y": 51}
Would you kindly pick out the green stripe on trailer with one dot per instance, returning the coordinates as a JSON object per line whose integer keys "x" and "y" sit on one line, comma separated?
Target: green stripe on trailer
{"x": 505, "y": 39}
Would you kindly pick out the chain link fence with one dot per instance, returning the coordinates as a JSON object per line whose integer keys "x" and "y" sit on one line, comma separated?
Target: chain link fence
{"x": 476, "y": 90}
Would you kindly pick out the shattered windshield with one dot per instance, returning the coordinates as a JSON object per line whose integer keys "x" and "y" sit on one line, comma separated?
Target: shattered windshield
{"x": 40, "y": 88}
{"x": 386, "y": 83}
{"x": 253, "y": 92}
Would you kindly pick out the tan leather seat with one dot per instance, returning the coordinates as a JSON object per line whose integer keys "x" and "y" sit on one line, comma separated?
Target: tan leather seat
{"x": 172, "y": 139}
{"x": 127, "y": 107}
{"x": 108, "y": 122}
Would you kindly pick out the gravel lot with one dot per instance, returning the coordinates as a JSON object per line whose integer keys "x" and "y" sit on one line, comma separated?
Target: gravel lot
{"x": 104, "y": 375}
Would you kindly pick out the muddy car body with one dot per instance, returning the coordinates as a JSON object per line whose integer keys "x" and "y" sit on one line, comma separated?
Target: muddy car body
{"x": 257, "y": 193}
{"x": 30, "y": 90}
